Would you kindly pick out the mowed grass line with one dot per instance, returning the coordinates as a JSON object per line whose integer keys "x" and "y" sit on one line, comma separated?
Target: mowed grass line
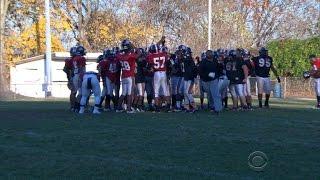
{"x": 41, "y": 140}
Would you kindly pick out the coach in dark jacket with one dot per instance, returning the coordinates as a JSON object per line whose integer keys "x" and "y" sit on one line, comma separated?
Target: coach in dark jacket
{"x": 209, "y": 74}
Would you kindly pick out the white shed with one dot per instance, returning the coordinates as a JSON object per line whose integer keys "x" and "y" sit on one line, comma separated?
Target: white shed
{"x": 27, "y": 76}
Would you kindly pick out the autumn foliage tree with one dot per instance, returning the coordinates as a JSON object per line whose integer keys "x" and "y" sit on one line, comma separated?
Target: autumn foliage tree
{"x": 26, "y": 30}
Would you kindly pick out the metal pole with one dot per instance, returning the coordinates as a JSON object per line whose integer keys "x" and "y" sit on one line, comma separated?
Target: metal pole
{"x": 47, "y": 76}
{"x": 209, "y": 23}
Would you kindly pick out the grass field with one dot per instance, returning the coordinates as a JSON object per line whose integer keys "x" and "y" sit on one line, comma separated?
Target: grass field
{"x": 41, "y": 140}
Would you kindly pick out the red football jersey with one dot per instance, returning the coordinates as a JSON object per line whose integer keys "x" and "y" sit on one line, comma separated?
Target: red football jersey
{"x": 102, "y": 67}
{"x": 128, "y": 64}
{"x": 316, "y": 64}
{"x": 158, "y": 61}
{"x": 68, "y": 63}
{"x": 112, "y": 69}
{"x": 79, "y": 61}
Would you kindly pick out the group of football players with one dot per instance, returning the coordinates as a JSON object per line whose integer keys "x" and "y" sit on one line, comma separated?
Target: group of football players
{"x": 167, "y": 79}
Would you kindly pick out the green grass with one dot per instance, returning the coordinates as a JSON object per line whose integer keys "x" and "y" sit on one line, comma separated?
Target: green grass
{"x": 42, "y": 140}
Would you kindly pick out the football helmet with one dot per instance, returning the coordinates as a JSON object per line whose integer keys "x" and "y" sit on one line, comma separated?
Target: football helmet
{"x": 100, "y": 58}
{"x": 306, "y": 74}
{"x": 215, "y": 54}
{"x": 203, "y": 55}
{"x": 246, "y": 52}
{"x": 126, "y": 45}
{"x": 182, "y": 48}
{"x": 107, "y": 53}
{"x": 154, "y": 48}
{"x": 232, "y": 53}
{"x": 164, "y": 49}
{"x": 263, "y": 51}
{"x": 73, "y": 51}
{"x": 116, "y": 50}
{"x": 81, "y": 51}
{"x": 141, "y": 52}
{"x": 188, "y": 52}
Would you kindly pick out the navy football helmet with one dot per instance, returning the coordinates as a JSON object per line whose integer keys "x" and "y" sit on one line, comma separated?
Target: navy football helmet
{"x": 100, "y": 58}
{"x": 107, "y": 53}
{"x": 263, "y": 51}
{"x": 116, "y": 50}
{"x": 232, "y": 53}
{"x": 154, "y": 48}
{"x": 73, "y": 51}
{"x": 81, "y": 51}
{"x": 182, "y": 48}
{"x": 215, "y": 54}
{"x": 203, "y": 55}
{"x": 126, "y": 45}
{"x": 164, "y": 49}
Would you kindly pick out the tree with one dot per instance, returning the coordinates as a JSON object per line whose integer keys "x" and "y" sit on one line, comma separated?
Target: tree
{"x": 25, "y": 26}
{"x": 291, "y": 55}
{"x": 98, "y": 24}
{"x": 31, "y": 40}
{"x": 269, "y": 19}
{"x": 3, "y": 11}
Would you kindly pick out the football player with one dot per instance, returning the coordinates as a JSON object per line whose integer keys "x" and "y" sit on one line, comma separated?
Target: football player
{"x": 115, "y": 100}
{"x": 100, "y": 62}
{"x": 209, "y": 70}
{"x": 177, "y": 78}
{"x": 79, "y": 68}
{"x": 237, "y": 73}
{"x": 189, "y": 74}
{"x": 203, "y": 85}
{"x": 90, "y": 84}
{"x": 158, "y": 62}
{"x": 315, "y": 73}
{"x": 109, "y": 69}
{"x": 223, "y": 80}
{"x": 149, "y": 88}
{"x": 262, "y": 66}
{"x": 127, "y": 60}
{"x": 68, "y": 69}
{"x": 140, "y": 80}
{"x": 247, "y": 88}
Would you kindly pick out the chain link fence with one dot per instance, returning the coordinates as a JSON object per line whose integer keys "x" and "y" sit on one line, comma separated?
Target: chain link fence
{"x": 291, "y": 87}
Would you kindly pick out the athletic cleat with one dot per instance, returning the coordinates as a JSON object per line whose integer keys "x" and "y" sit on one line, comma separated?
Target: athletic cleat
{"x": 150, "y": 108}
{"x": 191, "y": 111}
{"x": 137, "y": 110}
{"x": 119, "y": 110}
{"x": 234, "y": 109}
{"x": 131, "y": 111}
{"x": 96, "y": 111}
{"x": 81, "y": 111}
{"x": 106, "y": 109}
{"x": 168, "y": 110}
{"x": 244, "y": 108}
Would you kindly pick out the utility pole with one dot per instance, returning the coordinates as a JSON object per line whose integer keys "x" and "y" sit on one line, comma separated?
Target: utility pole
{"x": 209, "y": 22}
{"x": 47, "y": 71}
